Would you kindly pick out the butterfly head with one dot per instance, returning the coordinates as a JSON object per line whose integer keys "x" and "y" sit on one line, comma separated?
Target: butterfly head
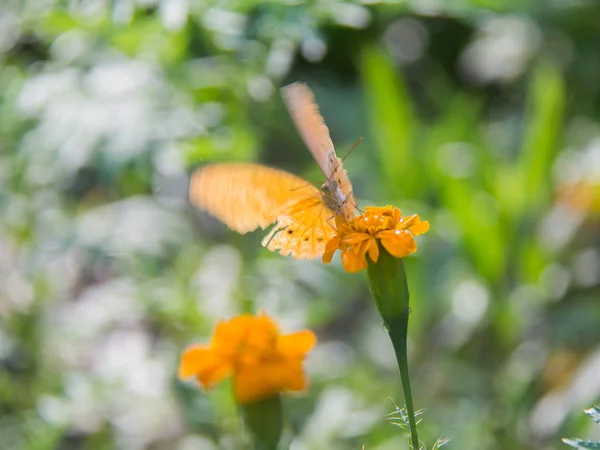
{"x": 333, "y": 197}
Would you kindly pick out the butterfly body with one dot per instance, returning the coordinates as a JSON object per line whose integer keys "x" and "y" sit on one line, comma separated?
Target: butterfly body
{"x": 336, "y": 200}
{"x": 248, "y": 196}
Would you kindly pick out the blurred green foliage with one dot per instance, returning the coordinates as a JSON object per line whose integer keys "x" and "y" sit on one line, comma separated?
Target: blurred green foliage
{"x": 481, "y": 116}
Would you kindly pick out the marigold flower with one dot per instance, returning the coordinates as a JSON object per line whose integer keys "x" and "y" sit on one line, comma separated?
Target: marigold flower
{"x": 359, "y": 237}
{"x": 250, "y": 349}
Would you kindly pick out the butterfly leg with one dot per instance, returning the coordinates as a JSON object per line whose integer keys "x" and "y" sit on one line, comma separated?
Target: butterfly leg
{"x": 353, "y": 202}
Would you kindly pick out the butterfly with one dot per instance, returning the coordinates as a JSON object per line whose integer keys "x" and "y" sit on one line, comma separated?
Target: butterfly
{"x": 246, "y": 196}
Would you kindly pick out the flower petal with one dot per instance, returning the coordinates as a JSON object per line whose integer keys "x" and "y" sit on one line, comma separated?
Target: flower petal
{"x": 333, "y": 244}
{"x": 264, "y": 381}
{"x": 330, "y": 248}
{"x": 192, "y": 360}
{"x": 205, "y": 364}
{"x": 327, "y": 257}
{"x": 353, "y": 262}
{"x": 374, "y": 250}
{"x": 354, "y": 258}
{"x": 419, "y": 227}
{"x": 251, "y": 385}
{"x": 355, "y": 238}
{"x": 406, "y": 222}
{"x": 298, "y": 343}
{"x": 399, "y": 243}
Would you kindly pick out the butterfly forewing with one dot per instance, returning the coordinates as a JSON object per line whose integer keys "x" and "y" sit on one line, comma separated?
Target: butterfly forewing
{"x": 337, "y": 192}
{"x": 300, "y": 102}
{"x": 248, "y": 196}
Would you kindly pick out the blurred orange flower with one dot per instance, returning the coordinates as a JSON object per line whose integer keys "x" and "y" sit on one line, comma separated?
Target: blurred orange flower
{"x": 582, "y": 195}
{"x": 358, "y": 237}
{"x": 250, "y": 349}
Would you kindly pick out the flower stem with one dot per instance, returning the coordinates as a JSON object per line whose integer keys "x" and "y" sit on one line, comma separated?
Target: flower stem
{"x": 389, "y": 288}
{"x": 399, "y": 343}
{"x": 264, "y": 421}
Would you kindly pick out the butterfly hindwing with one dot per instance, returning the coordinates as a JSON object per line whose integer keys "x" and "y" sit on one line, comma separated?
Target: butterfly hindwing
{"x": 302, "y": 230}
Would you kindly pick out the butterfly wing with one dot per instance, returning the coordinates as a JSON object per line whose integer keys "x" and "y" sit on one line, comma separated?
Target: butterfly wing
{"x": 248, "y": 196}
{"x": 301, "y": 104}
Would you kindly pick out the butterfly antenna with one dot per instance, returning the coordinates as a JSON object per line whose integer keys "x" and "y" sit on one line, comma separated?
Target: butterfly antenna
{"x": 358, "y": 141}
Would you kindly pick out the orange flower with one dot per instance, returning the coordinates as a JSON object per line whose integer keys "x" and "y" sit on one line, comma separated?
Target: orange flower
{"x": 582, "y": 195}
{"x": 359, "y": 237}
{"x": 250, "y": 348}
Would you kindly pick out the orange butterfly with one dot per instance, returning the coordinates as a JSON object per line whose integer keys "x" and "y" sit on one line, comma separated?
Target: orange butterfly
{"x": 247, "y": 196}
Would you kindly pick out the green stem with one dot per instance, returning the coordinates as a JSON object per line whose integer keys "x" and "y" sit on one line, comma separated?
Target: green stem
{"x": 399, "y": 343}
{"x": 264, "y": 421}
{"x": 389, "y": 288}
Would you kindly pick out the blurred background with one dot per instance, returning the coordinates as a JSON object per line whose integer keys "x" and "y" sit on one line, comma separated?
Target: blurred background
{"x": 482, "y": 116}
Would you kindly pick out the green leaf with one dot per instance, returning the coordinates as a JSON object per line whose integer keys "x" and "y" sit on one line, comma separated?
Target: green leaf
{"x": 391, "y": 120}
{"x": 542, "y": 136}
